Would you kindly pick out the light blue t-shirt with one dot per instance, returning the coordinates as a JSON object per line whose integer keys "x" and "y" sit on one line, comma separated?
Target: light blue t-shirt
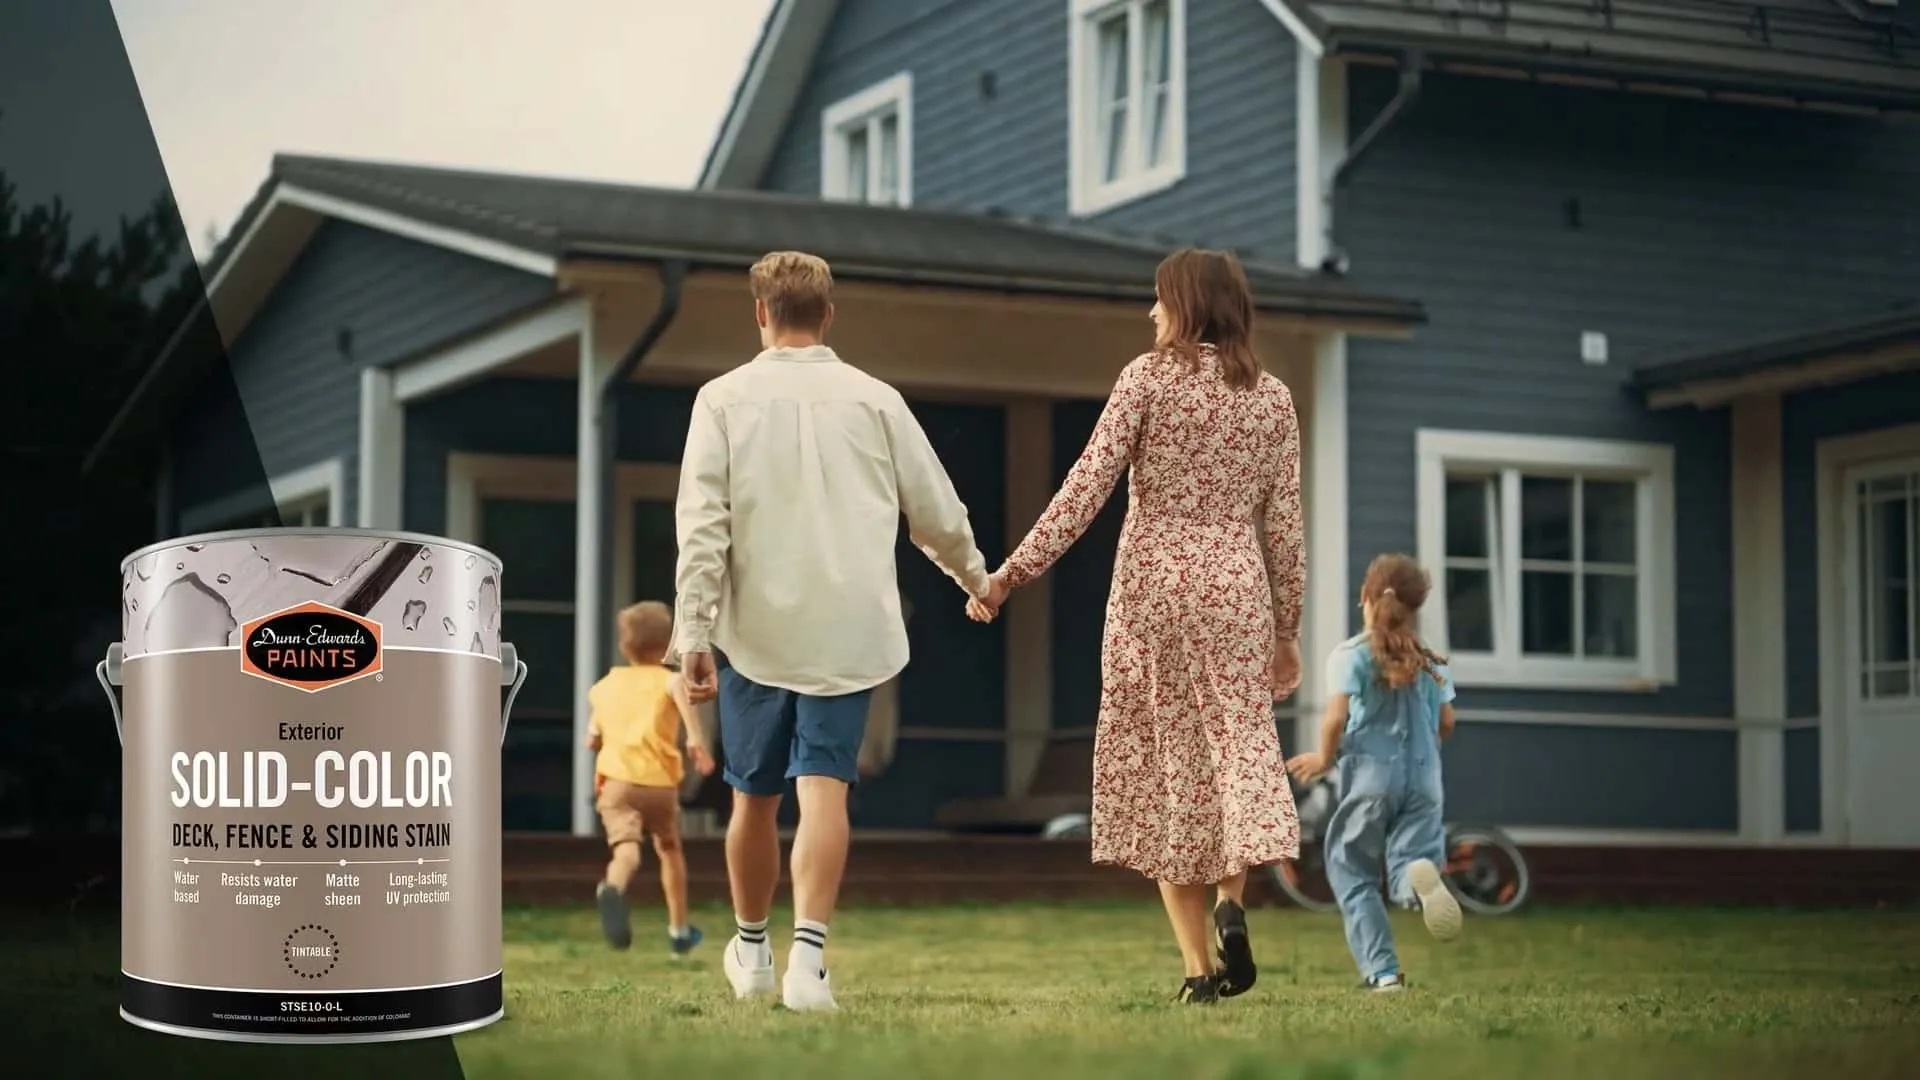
{"x": 1372, "y": 704}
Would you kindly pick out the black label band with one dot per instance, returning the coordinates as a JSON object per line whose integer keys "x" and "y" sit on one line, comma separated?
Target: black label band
{"x": 319, "y": 1014}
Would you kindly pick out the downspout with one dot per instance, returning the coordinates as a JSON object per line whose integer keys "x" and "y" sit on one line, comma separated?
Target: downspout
{"x": 1412, "y": 66}
{"x": 673, "y": 276}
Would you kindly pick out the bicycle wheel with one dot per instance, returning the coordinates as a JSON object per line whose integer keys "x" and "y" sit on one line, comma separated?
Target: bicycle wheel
{"x": 1304, "y": 881}
{"x": 1486, "y": 870}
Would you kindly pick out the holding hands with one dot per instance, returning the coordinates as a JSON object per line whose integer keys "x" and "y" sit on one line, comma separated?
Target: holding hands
{"x": 984, "y": 609}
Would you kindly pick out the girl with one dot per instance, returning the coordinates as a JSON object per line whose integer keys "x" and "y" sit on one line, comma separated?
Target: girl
{"x": 1390, "y": 704}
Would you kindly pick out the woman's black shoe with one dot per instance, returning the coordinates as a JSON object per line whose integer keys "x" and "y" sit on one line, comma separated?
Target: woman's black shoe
{"x": 1199, "y": 990}
{"x": 1237, "y": 971}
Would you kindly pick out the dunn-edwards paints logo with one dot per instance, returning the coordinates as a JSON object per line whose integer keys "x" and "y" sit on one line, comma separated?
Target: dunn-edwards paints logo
{"x": 311, "y": 647}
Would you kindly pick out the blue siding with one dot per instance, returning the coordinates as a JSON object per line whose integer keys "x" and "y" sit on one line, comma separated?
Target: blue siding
{"x": 1698, "y": 224}
{"x": 1008, "y": 152}
{"x": 956, "y": 677}
{"x": 1803, "y": 779}
{"x": 1591, "y": 777}
{"x": 355, "y": 297}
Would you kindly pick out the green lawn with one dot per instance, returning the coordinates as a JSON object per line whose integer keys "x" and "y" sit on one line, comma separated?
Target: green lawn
{"x": 1085, "y": 991}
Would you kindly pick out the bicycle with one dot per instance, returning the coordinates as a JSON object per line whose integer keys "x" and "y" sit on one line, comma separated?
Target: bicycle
{"x": 1485, "y": 869}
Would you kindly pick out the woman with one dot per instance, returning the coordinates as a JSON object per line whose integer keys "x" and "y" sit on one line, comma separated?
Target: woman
{"x": 1203, "y": 616}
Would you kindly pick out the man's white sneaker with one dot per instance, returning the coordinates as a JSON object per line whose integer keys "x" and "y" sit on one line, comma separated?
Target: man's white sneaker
{"x": 747, "y": 981}
{"x": 807, "y": 991}
{"x": 1437, "y": 904}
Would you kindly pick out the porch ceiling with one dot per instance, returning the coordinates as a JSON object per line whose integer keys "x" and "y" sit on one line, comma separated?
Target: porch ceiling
{"x": 1837, "y": 352}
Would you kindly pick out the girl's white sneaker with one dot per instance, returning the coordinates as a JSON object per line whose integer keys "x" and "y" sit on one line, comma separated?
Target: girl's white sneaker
{"x": 807, "y": 991}
{"x": 1437, "y": 904}
{"x": 746, "y": 981}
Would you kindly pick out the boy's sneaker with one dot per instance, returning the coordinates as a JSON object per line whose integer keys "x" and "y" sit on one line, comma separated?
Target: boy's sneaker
{"x": 613, "y": 916}
{"x": 1437, "y": 904}
{"x": 684, "y": 943}
{"x": 1237, "y": 971}
{"x": 746, "y": 981}
{"x": 807, "y": 991}
{"x": 1386, "y": 984}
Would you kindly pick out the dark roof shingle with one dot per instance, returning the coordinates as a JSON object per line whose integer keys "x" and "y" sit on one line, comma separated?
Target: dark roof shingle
{"x": 1891, "y": 326}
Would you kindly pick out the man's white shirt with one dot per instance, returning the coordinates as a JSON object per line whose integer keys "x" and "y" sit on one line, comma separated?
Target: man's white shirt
{"x": 797, "y": 469}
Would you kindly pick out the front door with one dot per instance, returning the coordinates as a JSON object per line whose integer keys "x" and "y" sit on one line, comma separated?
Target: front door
{"x": 1882, "y": 529}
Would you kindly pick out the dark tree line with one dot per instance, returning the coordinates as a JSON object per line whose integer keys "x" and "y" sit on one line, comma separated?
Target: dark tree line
{"x": 81, "y": 318}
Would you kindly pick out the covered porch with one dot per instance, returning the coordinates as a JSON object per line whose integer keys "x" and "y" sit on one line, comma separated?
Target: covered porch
{"x": 1008, "y": 384}
{"x": 1825, "y": 623}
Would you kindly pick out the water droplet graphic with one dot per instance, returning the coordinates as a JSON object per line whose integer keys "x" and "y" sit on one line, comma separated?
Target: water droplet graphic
{"x": 426, "y": 574}
{"x": 478, "y": 645}
{"x": 179, "y": 566}
{"x": 425, "y": 554}
{"x": 447, "y": 624}
{"x": 144, "y": 568}
{"x": 195, "y": 547}
{"x": 189, "y": 615}
{"x": 224, "y": 579}
{"x": 469, "y": 605}
{"x": 471, "y": 559}
{"x": 132, "y": 604}
{"x": 415, "y": 611}
{"x": 489, "y": 603}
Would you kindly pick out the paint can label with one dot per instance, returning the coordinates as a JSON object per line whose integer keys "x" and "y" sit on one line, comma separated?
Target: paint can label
{"x": 311, "y": 820}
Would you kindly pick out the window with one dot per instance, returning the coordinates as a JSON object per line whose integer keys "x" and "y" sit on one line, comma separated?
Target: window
{"x": 1888, "y": 558}
{"x": 1127, "y": 119}
{"x": 1552, "y": 559}
{"x": 866, "y": 145}
{"x": 308, "y": 498}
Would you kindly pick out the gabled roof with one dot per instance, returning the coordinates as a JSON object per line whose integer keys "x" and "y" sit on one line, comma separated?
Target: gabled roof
{"x": 1855, "y": 51}
{"x": 538, "y": 224}
{"x": 1850, "y": 51}
{"x": 1868, "y": 344}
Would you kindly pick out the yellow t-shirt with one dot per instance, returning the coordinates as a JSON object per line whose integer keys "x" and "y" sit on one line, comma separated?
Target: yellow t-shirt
{"x": 639, "y": 726}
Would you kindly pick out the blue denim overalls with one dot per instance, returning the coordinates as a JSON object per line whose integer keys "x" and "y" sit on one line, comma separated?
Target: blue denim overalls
{"x": 1390, "y": 808}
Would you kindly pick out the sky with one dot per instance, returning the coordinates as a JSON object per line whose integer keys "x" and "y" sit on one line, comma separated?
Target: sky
{"x": 622, "y": 90}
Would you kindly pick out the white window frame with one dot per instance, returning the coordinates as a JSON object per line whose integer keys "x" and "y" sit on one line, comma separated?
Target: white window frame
{"x": 296, "y": 494}
{"x": 864, "y": 111}
{"x": 1649, "y": 465}
{"x": 1087, "y": 194}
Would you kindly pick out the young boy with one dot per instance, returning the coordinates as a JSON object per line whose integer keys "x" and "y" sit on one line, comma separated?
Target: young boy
{"x": 1390, "y": 705}
{"x": 638, "y": 711}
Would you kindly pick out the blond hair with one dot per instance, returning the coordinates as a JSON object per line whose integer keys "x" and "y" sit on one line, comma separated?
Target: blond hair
{"x": 796, "y": 287}
{"x": 646, "y": 629}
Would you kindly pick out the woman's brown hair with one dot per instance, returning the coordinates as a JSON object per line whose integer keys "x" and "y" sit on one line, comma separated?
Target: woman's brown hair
{"x": 1207, "y": 301}
{"x": 1395, "y": 587}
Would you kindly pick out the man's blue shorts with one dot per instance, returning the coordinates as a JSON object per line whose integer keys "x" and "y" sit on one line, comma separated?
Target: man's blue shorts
{"x": 771, "y": 736}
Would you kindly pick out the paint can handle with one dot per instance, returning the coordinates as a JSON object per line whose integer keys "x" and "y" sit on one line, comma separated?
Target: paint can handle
{"x": 108, "y": 672}
{"x": 510, "y": 662}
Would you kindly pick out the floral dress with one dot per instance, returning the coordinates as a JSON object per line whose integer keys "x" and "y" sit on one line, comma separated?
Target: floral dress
{"x": 1189, "y": 785}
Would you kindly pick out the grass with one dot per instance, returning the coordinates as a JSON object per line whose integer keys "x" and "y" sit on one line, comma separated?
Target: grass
{"x": 1086, "y": 991}
{"x": 1072, "y": 992}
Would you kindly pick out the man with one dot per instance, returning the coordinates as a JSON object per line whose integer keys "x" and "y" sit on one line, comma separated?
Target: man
{"x": 797, "y": 469}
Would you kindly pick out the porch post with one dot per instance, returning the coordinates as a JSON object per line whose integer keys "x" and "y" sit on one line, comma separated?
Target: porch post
{"x": 1330, "y": 602}
{"x": 590, "y": 449}
{"x": 1759, "y": 618}
{"x": 1029, "y": 634}
{"x": 382, "y": 462}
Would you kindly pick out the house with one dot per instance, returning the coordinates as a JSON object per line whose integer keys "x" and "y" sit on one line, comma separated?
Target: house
{"x": 1606, "y": 309}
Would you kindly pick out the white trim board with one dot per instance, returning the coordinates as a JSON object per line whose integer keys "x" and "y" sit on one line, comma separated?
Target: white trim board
{"x": 383, "y": 451}
{"x": 768, "y": 88}
{"x": 441, "y": 236}
{"x": 1087, "y": 197}
{"x": 1310, "y": 44}
{"x": 476, "y": 357}
{"x": 1650, "y": 464}
{"x": 1759, "y": 615}
{"x": 1836, "y": 564}
{"x": 865, "y": 109}
{"x": 327, "y": 478}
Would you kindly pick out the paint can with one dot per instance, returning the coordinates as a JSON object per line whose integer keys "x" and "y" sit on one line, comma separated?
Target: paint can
{"x": 310, "y": 723}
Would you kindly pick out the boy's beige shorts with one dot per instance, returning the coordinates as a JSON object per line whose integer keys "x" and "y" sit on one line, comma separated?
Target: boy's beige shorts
{"x": 628, "y": 811}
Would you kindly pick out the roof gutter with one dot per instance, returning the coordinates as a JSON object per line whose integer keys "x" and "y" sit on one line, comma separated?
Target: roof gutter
{"x": 673, "y": 278}
{"x": 1412, "y": 66}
